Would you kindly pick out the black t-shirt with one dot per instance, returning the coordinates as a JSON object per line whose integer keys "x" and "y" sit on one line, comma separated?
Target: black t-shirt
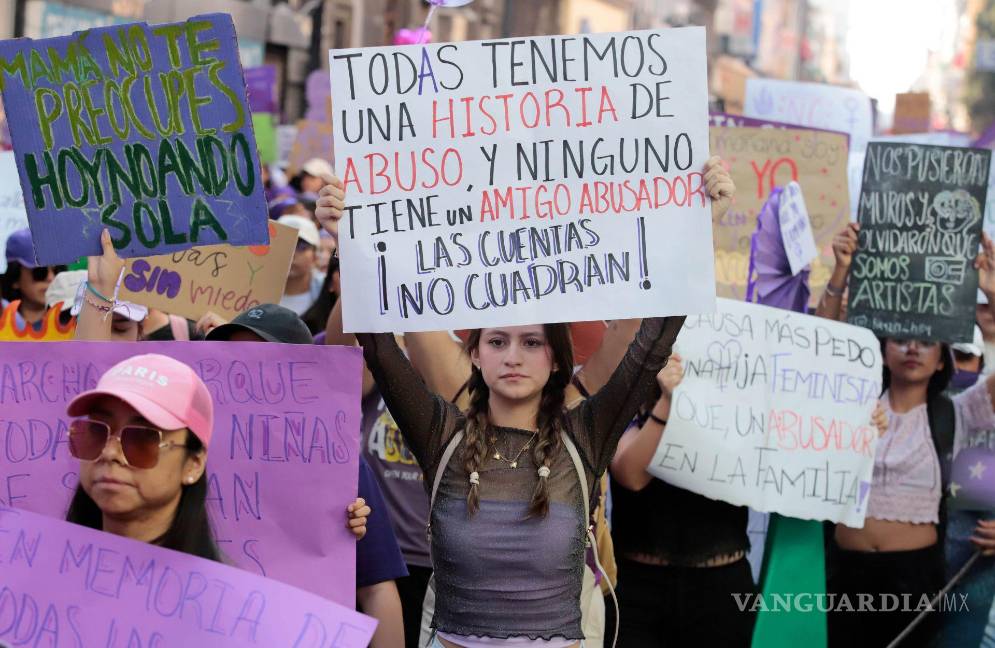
{"x": 674, "y": 524}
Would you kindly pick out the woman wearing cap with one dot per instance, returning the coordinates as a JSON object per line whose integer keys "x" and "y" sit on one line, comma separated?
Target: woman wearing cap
{"x": 26, "y": 281}
{"x": 141, "y": 437}
{"x": 304, "y": 281}
{"x": 314, "y": 175}
{"x": 899, "y": 550}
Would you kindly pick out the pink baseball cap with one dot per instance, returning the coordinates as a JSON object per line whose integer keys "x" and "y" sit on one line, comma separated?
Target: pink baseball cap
{"x": 165, "y": 391}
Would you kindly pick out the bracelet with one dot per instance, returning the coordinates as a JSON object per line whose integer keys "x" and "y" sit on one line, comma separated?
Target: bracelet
{"x": 657, "y": 419}
{"x": 834, "y": 292}
{"x": 103, "y": 308}
{"x": 93, "y": 290}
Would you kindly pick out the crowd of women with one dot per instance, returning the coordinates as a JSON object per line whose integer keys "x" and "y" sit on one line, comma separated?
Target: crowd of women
{"x": 525, "y": 463}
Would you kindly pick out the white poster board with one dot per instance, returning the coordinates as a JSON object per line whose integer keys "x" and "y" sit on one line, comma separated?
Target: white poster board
{"x": 774, "y": 413}
{"x": 815, "y": 105}
{"x": 506, "y": 182}
{"x": 12, "y": 214}
{"x": 796, "y": 228}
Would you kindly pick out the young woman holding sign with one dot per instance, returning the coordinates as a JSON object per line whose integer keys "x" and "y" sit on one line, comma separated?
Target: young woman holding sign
{"x": 514, "y": 471}
{"x": 899, "y": 550}
{"x": 681, "y": 555}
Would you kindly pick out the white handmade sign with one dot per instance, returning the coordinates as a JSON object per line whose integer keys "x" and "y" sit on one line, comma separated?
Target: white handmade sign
{"x": 12, "y": 214}
{"x": 774, "y": 413}
{"x": 796, "y": 228}
{"x": 519, "y": 181}
{"x": 816, "y": 105}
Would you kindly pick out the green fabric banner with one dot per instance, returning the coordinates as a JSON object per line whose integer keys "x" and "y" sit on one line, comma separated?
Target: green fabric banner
{"x": 794, "y": 563}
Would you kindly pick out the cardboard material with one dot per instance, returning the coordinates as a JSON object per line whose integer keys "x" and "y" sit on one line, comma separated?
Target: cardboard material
{"x": 912, "y": 113}
{"x": 760, "y": 159}
{"x": 141, "y": 129}
{"x": 219, "y": 278}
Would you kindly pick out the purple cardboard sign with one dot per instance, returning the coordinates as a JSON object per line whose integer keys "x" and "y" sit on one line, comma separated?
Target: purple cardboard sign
{"x": 260, "y": 83}
{"x": 143, "y": 130}
{"x": 67, "y": 585}
{"x": 282, "y": 464}
{"x": 721, "y": 119}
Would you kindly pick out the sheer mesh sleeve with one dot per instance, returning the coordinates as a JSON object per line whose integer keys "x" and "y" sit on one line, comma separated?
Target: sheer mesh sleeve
{"x": 425, "y": 419}
{"x": 603, "y": 417}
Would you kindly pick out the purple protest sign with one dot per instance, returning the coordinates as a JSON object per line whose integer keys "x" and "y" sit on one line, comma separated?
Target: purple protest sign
{"x": 260, "y": 84}
{"x": 140, "y": 129}
{"x": 67, "y": 585}
{"x": 282, "y": 464}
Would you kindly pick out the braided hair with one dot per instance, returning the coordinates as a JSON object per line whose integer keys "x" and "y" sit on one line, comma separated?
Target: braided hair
{"x": 549, "y": 419}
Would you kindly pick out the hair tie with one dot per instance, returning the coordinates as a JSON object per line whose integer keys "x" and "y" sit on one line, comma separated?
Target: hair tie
{"x": 543, "y": 471}
{"x": 475, "y": 478}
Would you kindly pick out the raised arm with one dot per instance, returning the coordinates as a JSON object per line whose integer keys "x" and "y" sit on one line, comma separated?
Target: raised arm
{"x": 336, "y": 336}
{"x": 599, "y": 367}
{"x": 609, "y": 412}
{"x": 440, "y": 360}
{"x": 94, "y": 322}
{"x": 420, "y": 414}
{"x": 844, "y": 246}
{"x": 639, "y": 443}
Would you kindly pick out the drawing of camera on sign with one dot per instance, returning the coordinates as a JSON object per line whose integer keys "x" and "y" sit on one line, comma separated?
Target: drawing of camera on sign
{"x": 948, "y": 270}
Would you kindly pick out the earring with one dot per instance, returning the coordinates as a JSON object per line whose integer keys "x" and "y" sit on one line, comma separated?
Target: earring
{"x": 190, "y": 480}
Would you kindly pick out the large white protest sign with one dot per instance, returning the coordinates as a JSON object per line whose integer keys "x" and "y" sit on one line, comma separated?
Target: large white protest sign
{"x": 521, "y": 181}
{"x": 815, "y": 105}
{"x": 774, "y": 413}
{"x": 796, "y": 228}
{"x": 12, "y": 214}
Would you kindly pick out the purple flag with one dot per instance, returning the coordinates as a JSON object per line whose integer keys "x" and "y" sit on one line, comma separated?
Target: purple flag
{"x": 770, "y": 281}
{"x": 972, "y": 480}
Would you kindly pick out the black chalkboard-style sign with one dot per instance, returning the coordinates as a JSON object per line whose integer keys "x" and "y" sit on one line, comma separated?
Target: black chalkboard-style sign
{"x": 921, "y": 211}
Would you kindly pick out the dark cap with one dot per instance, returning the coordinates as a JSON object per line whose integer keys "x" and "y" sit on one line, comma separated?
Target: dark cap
{"x": 271, "y": 322}
{"x": 21, "y": 249}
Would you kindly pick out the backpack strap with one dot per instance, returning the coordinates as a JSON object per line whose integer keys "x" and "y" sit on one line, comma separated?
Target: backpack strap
{"x": 942, "y": 423}
{"x": 178, "y": 325}
{"x": 447, "y": 454}
{"x": 592, "y": 542}
{"x": 942, "y": 419}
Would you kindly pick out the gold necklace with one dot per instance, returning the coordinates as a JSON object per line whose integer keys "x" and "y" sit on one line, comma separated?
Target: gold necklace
{"x": 512, "y": 462}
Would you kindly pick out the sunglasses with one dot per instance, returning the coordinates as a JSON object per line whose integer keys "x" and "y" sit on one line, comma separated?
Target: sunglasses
{"x": 41, "y": 273}
{"x": 140, "y": 445}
